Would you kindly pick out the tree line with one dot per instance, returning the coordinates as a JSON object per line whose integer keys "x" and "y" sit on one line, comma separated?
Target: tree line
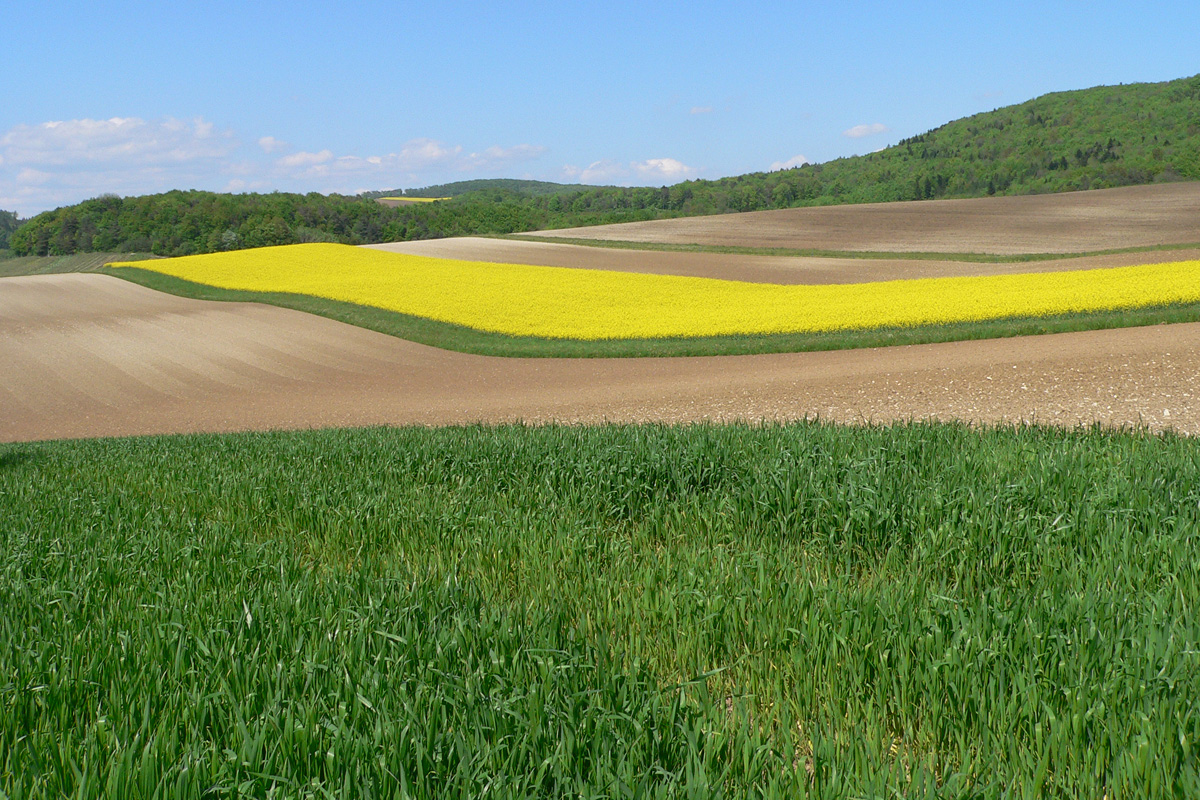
{"x": 180, "y": 223}
{"x": 1087, "y": 139}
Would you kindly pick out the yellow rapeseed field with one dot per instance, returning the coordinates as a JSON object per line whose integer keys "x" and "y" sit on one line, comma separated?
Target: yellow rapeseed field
{"x": 416, "y": 199}
{"x": 562, "y": 303}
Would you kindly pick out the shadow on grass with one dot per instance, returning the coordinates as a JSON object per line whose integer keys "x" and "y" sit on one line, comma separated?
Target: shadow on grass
{"x": 10, "y": 459}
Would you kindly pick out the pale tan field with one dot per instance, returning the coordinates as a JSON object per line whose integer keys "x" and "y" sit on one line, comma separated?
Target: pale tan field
{"x": 91, "y": 355}
{"x": 1074, "y": 222}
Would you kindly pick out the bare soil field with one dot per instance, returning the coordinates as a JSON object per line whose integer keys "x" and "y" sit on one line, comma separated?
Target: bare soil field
{"x": 1074, "y": 222}
{"x": 92, "y": 355}
{"x": 753, "y": 268}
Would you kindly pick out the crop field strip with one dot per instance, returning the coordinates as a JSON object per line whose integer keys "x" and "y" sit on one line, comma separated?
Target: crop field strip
{"x": 393, "y": 202}
{"x": 91, "y": 355}
{"x": 469, "y": 340}
{"x": 559, "y": 303}
{"x": 701, "y": 611}
{"x": 1071, "y": 222}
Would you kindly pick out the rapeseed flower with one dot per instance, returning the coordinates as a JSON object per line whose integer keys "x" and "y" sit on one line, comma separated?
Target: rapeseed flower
{"x": 565, "y": 303}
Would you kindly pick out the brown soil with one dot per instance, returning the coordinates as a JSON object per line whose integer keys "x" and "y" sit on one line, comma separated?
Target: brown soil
{"x": 757, "y": 269}
{"x": 92, "y": 355}
{"x": 1074, "y": 222}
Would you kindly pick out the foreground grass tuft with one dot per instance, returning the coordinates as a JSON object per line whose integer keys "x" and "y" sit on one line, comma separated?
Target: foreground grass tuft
{"x": 700, "y": 611}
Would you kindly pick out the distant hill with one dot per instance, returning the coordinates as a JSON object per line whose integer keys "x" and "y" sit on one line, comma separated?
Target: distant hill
{"x": 1066, "y": 141}
{"x": 459, "y": 188}
{"x": 1088, "y": 139}
{"x": 1096, "y": 138}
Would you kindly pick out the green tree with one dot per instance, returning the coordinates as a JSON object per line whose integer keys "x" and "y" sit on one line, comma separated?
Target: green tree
{"x": 9, "y": 222}
{"x": 1187, "y": 160}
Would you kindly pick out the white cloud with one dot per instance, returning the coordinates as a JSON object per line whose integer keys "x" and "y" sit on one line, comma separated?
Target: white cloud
{"x": 415, "y": 158}
{"x": 419, "y": 154}
{"x": 794, "y": 161}
{"x": 859, "y": 131}
{"x": 303, "y": 159}
{"x": 701, "y": 110}
{"x": 270, "y": 144}
{"x": 63, "y": 162}
{"x": 609, "y": 171}
{"x": 601, "y": 171}
{"x": 32, "y": 176}
{"x": 117, "y": 141}
{"x": 666, "y": 168}
{"x": 499, "y": 157}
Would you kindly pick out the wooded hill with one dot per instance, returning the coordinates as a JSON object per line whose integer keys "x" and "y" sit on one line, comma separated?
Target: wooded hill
{"x": 1088, "y": 139}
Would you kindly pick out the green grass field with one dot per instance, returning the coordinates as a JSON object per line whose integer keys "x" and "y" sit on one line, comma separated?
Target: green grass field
{"x": 700, "y": 611}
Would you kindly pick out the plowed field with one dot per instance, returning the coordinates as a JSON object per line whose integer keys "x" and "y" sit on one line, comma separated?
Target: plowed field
{"x": 91, "y": 355}
{"x": 1074, "y": 222}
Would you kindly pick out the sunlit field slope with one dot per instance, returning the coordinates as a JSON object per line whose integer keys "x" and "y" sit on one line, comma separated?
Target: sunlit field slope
{"x": 560, "y": 303}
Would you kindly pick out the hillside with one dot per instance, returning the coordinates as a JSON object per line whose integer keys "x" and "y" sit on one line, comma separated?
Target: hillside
{"x": 1096, "y": 138}
{"x": 1091, "y": 139}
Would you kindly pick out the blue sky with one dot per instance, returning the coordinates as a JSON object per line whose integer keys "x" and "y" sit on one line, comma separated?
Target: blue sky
{"x": 140, "y": 97}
